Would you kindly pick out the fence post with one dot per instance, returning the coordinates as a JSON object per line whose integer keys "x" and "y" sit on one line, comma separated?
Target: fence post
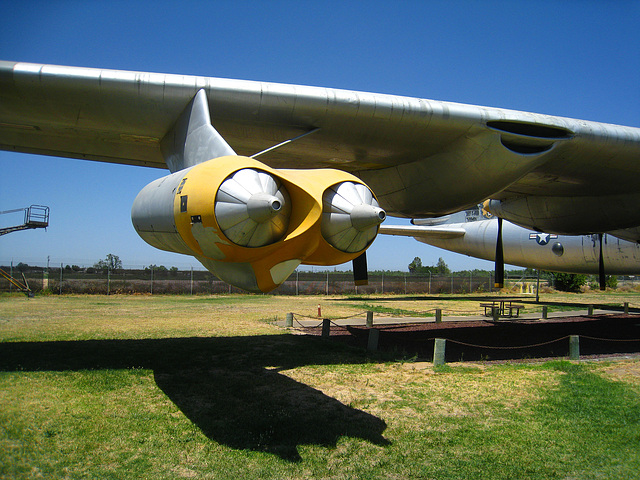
{"x": 439, "y": 346}
{"x": 289, "y": 320}
{"x": 626, "y": 308}
{"x": 438, "y": 315}
{"x": 374, "y": 336}
{"x": 590, "y": 310}
{"x": 326, "y": 328}
{"x": 369, "y": 319}
{"x": 544, "y": 312}
{"x": 574, "y": 347}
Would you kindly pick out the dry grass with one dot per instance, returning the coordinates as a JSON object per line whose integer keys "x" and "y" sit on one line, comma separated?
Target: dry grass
{"x": 627, "y": 371}
{"x": 398, "y": 392}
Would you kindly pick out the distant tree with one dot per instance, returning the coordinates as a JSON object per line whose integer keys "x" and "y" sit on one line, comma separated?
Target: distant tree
{"x": 569, "y": 282}
{"x": 156, "y": 268}
{"x": 611, "y": 281}
{"x": 22, "y": 267}
{"x": 442, "y": 268}
{"x": 416, "y": 265}
{"x": 111, "y": 262}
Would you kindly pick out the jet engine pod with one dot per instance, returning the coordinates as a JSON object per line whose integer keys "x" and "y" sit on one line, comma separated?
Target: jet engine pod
{"x": 252, "y": 208}
{"x": 252, "y": 225}
{"x": 350, "y": 216}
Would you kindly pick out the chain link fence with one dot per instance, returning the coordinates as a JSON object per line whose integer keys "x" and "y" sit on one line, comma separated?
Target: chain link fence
{"x": 66, "y": 280}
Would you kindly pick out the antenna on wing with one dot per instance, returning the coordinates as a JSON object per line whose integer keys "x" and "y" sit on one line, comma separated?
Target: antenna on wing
{"x": 286, "y": 142}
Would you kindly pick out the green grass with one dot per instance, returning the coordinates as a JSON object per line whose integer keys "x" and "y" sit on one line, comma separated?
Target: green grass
{"x": 172, "y": 388}
{"x": 401, "y": 312}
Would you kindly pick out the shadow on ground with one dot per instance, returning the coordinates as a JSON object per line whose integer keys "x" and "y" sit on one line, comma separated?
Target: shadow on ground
{"x": 508, "y": 339}
{"x": 231, "y": 388}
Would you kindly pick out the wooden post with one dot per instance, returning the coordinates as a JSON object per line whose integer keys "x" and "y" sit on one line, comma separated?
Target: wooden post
{"x": 439, "y": 346}
{"x": 495, "y": 313}
{"x": 574, "y": 347}
{"x": 289, "y": 320}
{"x": 438, "y": 315}
{"x": 544, "y": 312}
{"x": 590, "y": 310}
{"x": 326, "y": 328}
{"x": 626, "y": 308}
{"x": 369, "y": 319}
{"x": 374, "y": 336}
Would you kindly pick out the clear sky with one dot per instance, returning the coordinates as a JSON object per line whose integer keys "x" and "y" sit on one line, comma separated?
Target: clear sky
{"x": 570, "y": 58}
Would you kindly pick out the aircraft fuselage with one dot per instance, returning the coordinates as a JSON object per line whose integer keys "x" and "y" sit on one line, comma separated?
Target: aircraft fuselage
{"x": 558, "y": 253}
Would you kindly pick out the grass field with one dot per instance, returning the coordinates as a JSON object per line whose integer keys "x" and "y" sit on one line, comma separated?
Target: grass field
{"x": 208, "y": 387}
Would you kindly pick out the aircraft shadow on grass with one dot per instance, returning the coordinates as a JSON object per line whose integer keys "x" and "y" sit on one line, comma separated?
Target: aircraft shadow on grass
{"x": 229, "y": 387}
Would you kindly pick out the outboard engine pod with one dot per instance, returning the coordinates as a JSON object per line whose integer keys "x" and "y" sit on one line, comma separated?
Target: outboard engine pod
{"x": 350, "y": 216}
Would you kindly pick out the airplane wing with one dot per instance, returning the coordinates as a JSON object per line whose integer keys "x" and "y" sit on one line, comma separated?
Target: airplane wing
{"x": 416, "y": 231}
{"x": 421, "y": 157}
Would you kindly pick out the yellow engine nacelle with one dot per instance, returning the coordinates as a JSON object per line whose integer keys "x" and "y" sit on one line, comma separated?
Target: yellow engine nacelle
{"x": 252, "y": 225}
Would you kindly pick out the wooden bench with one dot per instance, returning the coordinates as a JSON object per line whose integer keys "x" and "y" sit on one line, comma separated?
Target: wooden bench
{"x": 511, "y": 308}
{"x": 488, "y": 308}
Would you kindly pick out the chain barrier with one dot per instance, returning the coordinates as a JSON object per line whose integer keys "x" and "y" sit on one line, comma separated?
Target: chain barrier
{"x": 508, "y": 348}
{"x": 534, "y": 345}
{"x": 331, "y": 320}
{"x": 611, "y": 339}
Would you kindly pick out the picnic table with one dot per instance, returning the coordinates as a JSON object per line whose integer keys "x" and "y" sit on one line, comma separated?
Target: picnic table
{"x": 505, "y": 308}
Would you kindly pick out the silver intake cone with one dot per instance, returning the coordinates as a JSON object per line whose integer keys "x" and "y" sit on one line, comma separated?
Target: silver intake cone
{"x": 252, "y": 208}
{"x": 350, "y": 216}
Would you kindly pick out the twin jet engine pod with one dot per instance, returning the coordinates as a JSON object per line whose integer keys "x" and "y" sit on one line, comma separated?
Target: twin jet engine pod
{"x": 252, "y": 225}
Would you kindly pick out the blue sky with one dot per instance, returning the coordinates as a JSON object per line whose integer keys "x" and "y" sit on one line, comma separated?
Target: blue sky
{"x": 572, "y": 58}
